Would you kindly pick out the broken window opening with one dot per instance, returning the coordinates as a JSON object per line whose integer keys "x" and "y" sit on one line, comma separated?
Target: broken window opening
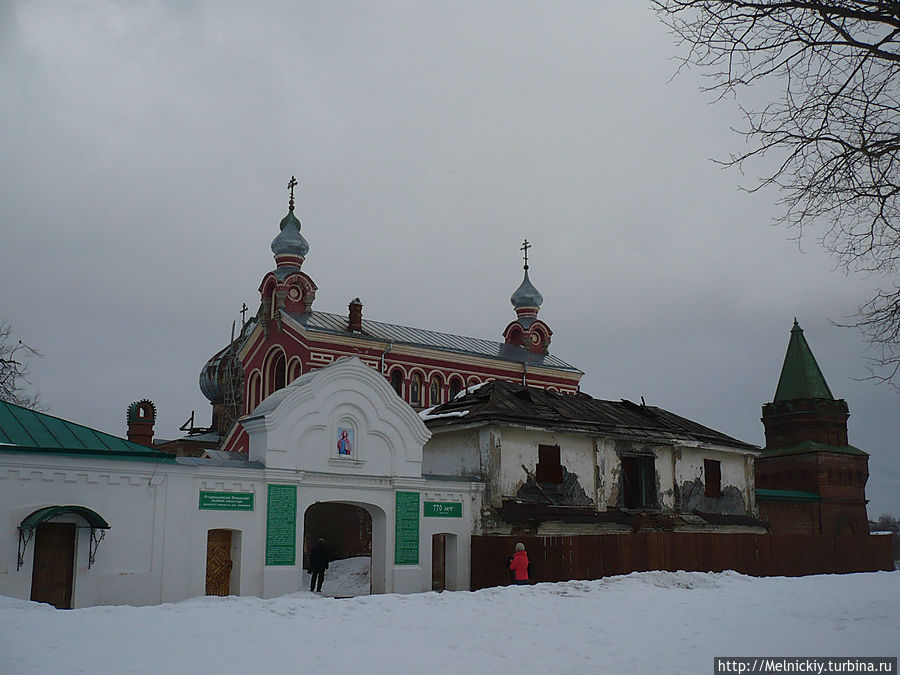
{"x": 712, "y": 477}
{"x": 638, "y": 482}
{"x": 549, "y": 469}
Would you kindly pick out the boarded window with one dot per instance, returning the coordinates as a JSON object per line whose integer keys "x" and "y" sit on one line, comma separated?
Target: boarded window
{"x": 712, "y": 477}
{"x": 638, "y": 482}
{"x": 549, "y": 470}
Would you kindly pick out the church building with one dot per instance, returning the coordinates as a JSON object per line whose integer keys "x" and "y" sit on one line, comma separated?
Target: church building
{"x": 288, "y": 337}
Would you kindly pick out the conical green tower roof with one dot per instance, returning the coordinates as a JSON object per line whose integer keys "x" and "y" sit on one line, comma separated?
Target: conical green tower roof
{"x": 801, "y": 377}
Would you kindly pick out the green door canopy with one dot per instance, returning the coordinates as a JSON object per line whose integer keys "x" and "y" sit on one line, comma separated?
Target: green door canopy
{"x": 94, "y": 519}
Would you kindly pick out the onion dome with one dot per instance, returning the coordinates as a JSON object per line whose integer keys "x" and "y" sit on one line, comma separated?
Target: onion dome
{"x": 212, "y": 377}
{"x": 526, "y": 295}
{"x": 289, "y": 241}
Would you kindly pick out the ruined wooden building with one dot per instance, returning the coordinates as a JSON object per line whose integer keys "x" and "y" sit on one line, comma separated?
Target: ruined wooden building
{"x": 572, "y": 464}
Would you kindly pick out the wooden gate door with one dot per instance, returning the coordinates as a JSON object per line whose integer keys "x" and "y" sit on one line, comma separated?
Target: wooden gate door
{"x": 438, "y": 562}
{"x": 54, "y": 564}
{"x": 218, "y": 562}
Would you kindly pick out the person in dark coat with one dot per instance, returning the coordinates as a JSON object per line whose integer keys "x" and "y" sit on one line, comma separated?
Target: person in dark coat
{"x": 318, "y": 563}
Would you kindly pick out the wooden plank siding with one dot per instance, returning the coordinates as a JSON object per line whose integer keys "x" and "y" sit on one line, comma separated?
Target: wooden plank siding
{"x": 563, "y": 558}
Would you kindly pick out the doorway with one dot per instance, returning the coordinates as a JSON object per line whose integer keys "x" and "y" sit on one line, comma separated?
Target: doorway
{"x": 443, "y": 562}
{"x": 53, "y": 570}
{"x": 347, "y": 531}
{"x": 219, "y": 562}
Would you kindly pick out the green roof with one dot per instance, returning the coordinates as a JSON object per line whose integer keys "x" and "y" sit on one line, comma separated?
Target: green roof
{"x": 813, "y": 446}
{"x": 94, "y": 519}
{"x": 25, "y": 430}
{"x": 801, "y": 377}
{"x": 786, "y": 496}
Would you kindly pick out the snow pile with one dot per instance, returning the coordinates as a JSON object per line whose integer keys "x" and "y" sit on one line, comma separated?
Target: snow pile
{"x": 639, "y": 623}
{"x": 345, "y": 578}
{"x": 428, "y": 415}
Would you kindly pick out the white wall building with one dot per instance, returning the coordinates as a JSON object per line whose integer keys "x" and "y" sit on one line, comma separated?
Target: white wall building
{"x": 87, "y": 518}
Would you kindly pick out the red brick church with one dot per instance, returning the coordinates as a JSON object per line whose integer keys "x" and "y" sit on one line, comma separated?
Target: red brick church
{"x": 288, "y": 337}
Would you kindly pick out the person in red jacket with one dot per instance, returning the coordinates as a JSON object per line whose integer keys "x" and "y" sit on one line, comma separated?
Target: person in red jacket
{"x": 519, "y": 565}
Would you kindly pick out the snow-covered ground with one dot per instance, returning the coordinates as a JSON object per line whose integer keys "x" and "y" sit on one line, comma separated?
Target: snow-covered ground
{"x": 673, "y": 622}
{"x": 345, "y": 578}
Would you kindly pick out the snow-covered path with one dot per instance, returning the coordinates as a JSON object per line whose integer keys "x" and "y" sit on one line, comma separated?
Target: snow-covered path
{"x": 640, "y": 623}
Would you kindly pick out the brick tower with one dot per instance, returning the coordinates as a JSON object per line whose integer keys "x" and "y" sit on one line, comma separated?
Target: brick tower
{"x": 808, "y": 477}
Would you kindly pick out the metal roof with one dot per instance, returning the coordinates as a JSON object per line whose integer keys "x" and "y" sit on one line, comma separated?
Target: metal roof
{"x": 336, "y": 324}
{"x": 25, "y": 430}
{"x": 805, "y": 447}
{"x": 94, "y": 519}
{"x": 507, "y": 402}
{"x": 801, "y": 377}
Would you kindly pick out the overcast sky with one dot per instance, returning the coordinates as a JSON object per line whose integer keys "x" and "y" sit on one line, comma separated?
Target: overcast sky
{"x": 146, "y": 146}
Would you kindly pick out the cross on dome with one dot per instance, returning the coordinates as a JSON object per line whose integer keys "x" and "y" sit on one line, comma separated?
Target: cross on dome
{"x": 290, "y": 186}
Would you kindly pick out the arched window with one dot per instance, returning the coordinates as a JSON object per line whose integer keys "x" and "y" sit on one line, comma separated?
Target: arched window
{"x": 434, "y": 393}
{"x": 254, "y": 391}
{"x": 295, "y": 369}
{"x": 397, "y": 382}
{"x": 456, "y": 386}
{"x": 277, "y": 373}
{"x": 415, "y": 390}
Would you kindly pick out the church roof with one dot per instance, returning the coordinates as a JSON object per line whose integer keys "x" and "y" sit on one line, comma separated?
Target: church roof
{"x": 801, "y": 377}
{"x": 516, "y": 404}
{"x": 26, "y": 430}
{"x": 336, "y": 324}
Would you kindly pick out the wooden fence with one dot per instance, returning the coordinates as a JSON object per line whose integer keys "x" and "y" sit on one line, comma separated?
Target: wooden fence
{"x": 595, "y": 556}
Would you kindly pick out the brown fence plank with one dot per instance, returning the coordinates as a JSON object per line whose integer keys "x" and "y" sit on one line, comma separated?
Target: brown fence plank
{"x": 561, "y": 558}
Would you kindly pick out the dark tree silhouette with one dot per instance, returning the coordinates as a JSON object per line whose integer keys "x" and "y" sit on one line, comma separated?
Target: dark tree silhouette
{"x": 835, "y": 132}
{"x": 14, "y": 357}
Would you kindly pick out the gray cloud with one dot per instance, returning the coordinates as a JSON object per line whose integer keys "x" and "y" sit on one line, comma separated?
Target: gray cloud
{"x": 146, "y": 147}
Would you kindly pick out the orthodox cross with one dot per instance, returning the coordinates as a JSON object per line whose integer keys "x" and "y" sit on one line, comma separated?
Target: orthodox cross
{"x": 525, "y": 247}
{"x": 243, "y": 313}
{"x": 290, "y": 186}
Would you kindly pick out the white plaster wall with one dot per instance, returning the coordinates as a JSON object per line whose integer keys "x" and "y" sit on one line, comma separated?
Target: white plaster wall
{"x": 736, "y": 470}
{"x": 520, "y": 447}
{"x": 665, "y": 475}
{"x": 155, "y": 549}
{"x": 296, "y": 427}
{"x": 454, "y": 453}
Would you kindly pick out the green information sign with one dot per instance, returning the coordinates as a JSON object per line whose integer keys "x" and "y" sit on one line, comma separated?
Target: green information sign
{"x": 281, "y": 525}
{"x": 443, "y": 509}
{"x": 406, "y": 523}
{"x": 226, "y": 501}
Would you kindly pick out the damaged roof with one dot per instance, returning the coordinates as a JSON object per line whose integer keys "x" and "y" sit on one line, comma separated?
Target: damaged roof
{"x": 516, "y": 404}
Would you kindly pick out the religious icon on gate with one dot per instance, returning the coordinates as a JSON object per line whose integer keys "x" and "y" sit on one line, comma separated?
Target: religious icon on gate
{"x": 344, "y": 442}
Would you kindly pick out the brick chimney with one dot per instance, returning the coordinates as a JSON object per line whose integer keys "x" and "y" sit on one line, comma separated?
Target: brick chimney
{"x": 355, "y": 323}
{"x": 141, "y": 417}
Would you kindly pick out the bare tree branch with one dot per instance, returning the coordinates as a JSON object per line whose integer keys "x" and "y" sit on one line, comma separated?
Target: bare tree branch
{"x": 14, "y": 358}
{"x": 835, "y": 131}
